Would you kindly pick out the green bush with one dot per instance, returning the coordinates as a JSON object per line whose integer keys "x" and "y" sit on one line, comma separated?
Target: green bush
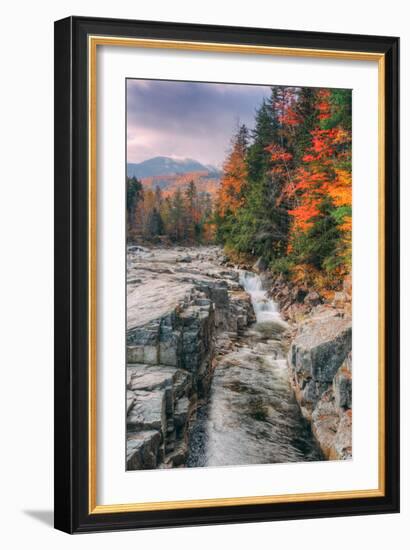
{"x": 282, "y": 266}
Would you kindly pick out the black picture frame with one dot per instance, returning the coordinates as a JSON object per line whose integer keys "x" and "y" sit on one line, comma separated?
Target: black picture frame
{"x": 71, "y": 386}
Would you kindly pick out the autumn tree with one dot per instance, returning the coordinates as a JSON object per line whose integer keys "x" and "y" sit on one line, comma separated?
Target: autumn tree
{"x": 235, "y": 174}
{"x": 321, "y": 189}
{"x": 231, "y": 194}
{"x": 292, "y": 203}
{"x": 260, "y": 227}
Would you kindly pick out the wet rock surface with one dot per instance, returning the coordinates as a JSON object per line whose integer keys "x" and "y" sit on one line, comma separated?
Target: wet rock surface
{"x": 319, "y": 361}
{"x": 315, "y": 355}
{"x": 252, "y": 416}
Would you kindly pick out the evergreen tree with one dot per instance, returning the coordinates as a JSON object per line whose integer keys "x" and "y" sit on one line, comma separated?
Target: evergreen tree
{"x": 135, "y": 195}
{"x": 155, "y": 223}
{"x": 192, "y": 218}
{"x": 265, "y": 133}
{"x": 178, "y": 217}
{"x": 262, "y": 222}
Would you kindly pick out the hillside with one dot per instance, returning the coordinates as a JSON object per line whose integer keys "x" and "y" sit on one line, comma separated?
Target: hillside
{"x": 161, "y": 166}
{"x": 205, "y": 182}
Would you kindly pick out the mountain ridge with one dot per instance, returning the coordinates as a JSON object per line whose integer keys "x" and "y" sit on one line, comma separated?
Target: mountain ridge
{"x": 162, "y": 166}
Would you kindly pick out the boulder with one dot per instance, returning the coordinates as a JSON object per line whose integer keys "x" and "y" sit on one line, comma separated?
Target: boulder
{"x": 266, "y": 278}
{"x": 321, "y": 347}
{"x": 148, "y": 377}
{"x": 315, "y": 355}
{"x": 130, "y": 400}
{"x": 182, "y": 383}
{"x": 342, "y": 445}
{"x": 260, "y": 265}
{"x": 135, "y": 354}
{"x": 181, "y": 412}
{"x": 342, "y": 386}
{"x": 169, "y": 347}
{"x": 148, "y": 412}
{"x": 325, "y": 423}
{"x": 332, "y": 430}
{"x": 347, "y": 285}
{"x": 340, "y": 299}
{"x": 177, "y": 456}
{"x": 312, "y": 299}
{"x": 332, "y": 417}
{"x": 299, "y": 294}
{"x": 145, "y": 339}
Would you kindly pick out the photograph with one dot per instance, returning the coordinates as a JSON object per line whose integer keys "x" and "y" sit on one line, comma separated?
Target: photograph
{"x": 227, "y": 311}
{"x": 238, "y": 247}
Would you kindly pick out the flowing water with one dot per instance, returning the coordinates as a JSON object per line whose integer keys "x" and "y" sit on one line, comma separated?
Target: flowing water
{"x": 251, "y": 416}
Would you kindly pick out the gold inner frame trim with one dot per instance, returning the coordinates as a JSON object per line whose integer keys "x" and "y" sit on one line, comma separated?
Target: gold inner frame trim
{"x": 93, "y": 42}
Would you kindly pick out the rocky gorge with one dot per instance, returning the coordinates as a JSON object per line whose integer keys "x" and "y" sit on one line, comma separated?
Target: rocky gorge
{"x": 218, "y": 374}
{"x": 320, "y": 361}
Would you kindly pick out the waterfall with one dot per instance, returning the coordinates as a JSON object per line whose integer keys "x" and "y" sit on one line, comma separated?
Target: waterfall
{"x": 266, "y": 310}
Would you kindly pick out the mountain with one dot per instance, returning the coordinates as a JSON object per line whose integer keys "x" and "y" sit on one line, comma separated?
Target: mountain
{"x": 161, "y": 166}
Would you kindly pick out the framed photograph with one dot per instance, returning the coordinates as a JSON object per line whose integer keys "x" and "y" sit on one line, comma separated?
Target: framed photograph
{"x": 226, "y": 274}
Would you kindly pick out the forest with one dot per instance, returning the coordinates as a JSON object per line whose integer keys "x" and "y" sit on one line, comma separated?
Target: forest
{"x": 183, "y": 216}
{"x": 284, "y": 194}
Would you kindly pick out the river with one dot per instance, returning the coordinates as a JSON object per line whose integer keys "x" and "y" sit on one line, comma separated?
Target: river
{"x": 251, "y": 415}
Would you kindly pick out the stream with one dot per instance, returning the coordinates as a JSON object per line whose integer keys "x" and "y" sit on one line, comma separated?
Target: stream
{"x": 251, "y": 415}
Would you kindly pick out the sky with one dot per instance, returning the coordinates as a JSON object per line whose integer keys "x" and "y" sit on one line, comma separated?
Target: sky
{"x": 187, "y": 119}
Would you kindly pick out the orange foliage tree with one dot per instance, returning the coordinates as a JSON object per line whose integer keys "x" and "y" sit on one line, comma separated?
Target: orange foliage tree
{"x": 231, "y": 196}
{"x": 320, "y": 188}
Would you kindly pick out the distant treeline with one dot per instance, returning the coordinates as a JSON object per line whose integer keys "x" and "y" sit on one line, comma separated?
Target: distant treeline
{"x": 285, "y": 193}
{"x": 181, "y": 217}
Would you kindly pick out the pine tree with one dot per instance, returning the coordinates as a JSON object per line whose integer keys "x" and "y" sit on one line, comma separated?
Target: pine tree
{"x": 155, "y": 223}
{"x": 135, "y": 195}
{"x": 265, "y": 133}
{"x": 192, "y": 215}
{"x": 177, "y": 217}
{"x": 262, "y": 221}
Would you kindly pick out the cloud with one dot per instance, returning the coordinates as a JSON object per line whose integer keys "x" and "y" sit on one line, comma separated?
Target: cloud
{"x": 187, "y": 119}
